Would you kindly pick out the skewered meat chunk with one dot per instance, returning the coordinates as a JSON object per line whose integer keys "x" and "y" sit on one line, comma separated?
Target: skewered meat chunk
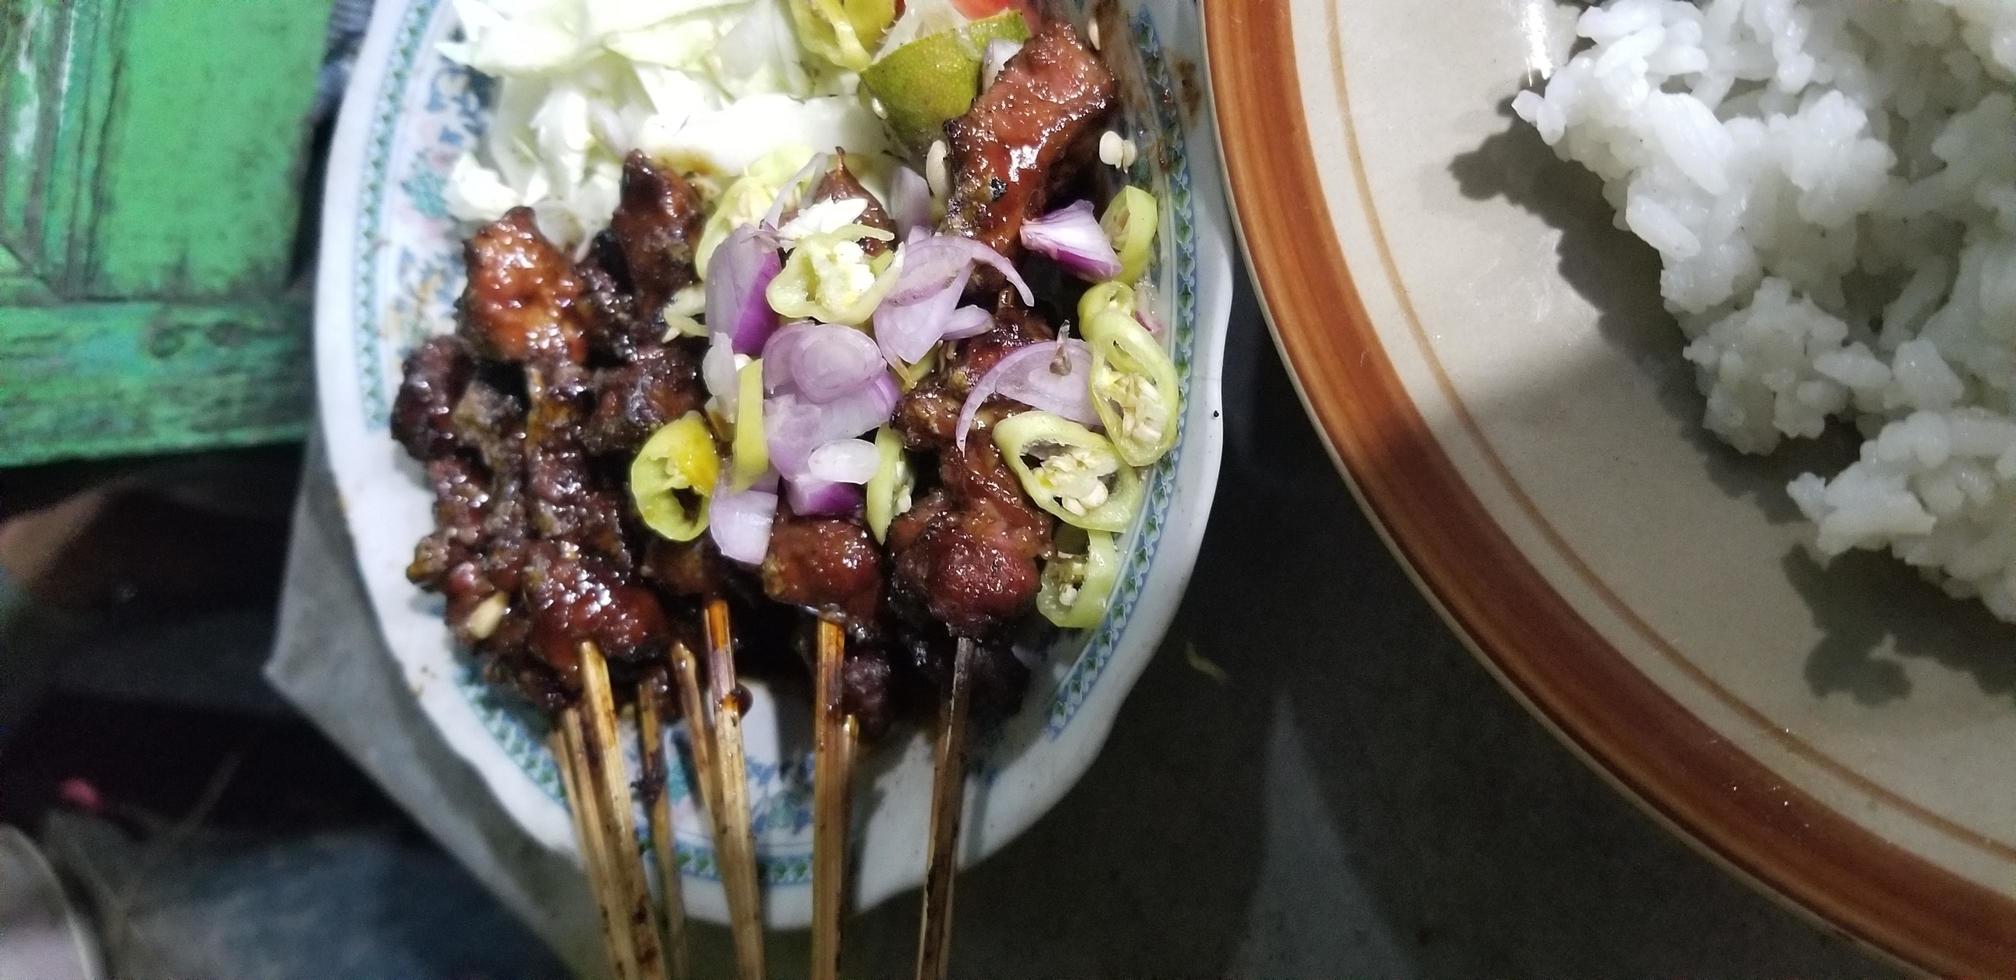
{"x": 519, "y": 304}
{"x": 461, "y": 498}
{"x": 928, "y": 415}
{"x": 490, "y": 421}
{"x": 436, "y": 373}
{"x": 614, "y": 328}
{"x": 576, "y": 597}
{"x": 840, "y": 184}
{"x": 567, "y": 498}
{"x": 827, "y": 564}
{"x": 1024, "y": 135}
{"x": 978, "y": 476}
{"x": 687, "y": 568}
{"x": 633, "y": 400}
{"x": 972, "y": 568}
{"x": 866, "y": 688}
{"x": 658, "y": 218}
{"x": 966, "y": 553}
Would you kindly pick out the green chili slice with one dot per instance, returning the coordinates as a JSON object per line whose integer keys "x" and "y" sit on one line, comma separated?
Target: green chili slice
{"x": 1134, "y": 387}
{"x": 1130, "y": 222}
{"x": 889, "y": 489}
{"x": 1070, "y": 470}
{"x": 1077, "y": 586}
{"x": 1116, "y": 297}
{"x": 751, "y": 450}
{"x": 673, "y": 475}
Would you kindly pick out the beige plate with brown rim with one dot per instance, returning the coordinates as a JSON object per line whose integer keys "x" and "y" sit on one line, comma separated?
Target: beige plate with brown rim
{"x": 1488, "y": 359}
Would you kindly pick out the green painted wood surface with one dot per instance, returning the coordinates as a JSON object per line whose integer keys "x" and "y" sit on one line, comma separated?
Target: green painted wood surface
{"x": 151, "y": 187}
{"x": 121, "y": 378}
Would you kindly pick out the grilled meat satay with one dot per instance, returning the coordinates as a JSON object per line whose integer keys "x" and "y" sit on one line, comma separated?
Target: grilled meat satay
{"x": 1024, "y": 136}
{"x": 965, "y": 557}
{"x": 656, "y": 223}
{"x": 520, "y": 303}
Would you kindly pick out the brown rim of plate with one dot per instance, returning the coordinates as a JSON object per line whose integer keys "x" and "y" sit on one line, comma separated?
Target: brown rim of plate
{"x": 1671, "y": 762}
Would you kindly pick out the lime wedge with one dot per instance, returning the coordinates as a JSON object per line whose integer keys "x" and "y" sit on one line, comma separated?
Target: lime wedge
{"x": 934, "y": 79}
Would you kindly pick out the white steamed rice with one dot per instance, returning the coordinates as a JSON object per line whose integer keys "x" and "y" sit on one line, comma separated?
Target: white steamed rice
{"x": 1831, "y": 186}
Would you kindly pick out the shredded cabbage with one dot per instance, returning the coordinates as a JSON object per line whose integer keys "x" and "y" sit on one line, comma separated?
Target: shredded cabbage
{"x": 748, "y": 199}
{"x": 708, "y": 85}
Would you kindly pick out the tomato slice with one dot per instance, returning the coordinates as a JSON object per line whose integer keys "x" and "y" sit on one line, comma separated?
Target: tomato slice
{"x": 976, "y": 9}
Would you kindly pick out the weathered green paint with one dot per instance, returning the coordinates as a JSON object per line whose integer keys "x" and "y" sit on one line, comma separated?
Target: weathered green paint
{"x": 18, "y": 284}
{"x": 116, "y": 378}
{"x": 151, "y": 175}
{"x": 213, "y": 94}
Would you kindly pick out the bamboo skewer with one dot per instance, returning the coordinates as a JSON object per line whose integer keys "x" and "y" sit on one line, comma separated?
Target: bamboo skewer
{"x": 651, "y": 745}
{"x": 699, "y": 731}
{"x": 948, "y": 798}
{"x": 636, "y": 922}
{"x": 733, "y": 839}
{"x": 832, "y": 773}
{"x": 569, "y": 749}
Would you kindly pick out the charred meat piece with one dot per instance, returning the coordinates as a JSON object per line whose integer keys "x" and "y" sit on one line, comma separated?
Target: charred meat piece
{"x": 979, "y": 476}
{"x": 928, "y": 414}
{"x": 575, "y": 597}
{"x": 839, "y": 184}
{"x": 966, "y": 554}
{"x": 866, "y": 682}
{"x": 633, "y": 400}
{"x": 905, "y": 527}
{"x": 461, "y": 497}
{"x": 1014, "y": 328}
{"x": 657, "y": 220}
{"x": 999, "y": 678}
{"x": 492, "y": 423}
{"x": 436, "y": 373}
{"x": 520, "y": 302}
{"x": 827, "y": 564}
{"x": 567, "y": 500}
{"x": 490, "y": 420}
{"x": 968, "y": 570}
{"x": 1023, "y": 136}
{"x": 609, "y": 316}
{"x": 687, "y": 568}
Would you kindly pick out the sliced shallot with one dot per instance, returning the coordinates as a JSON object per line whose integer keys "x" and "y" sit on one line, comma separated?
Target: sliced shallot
{"x": 1073, "y": 238}
{"x": 1030, "y": 376}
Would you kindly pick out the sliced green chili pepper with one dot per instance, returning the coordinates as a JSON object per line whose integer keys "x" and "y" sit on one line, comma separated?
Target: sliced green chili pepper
{"x": 844, "y": 32}
{"x": 751, "y": 449}
{"x": 1130, "y": 225}
{"x": 830, "y": 279}
{"x": 1077, "y": 475}
{"x": 1076, "y": 586}
{"x": 673, "y": 475}
{"x": 1134, "y": 387}
{"x": 889, "y": 489}
{"x": 1112, "y": 296}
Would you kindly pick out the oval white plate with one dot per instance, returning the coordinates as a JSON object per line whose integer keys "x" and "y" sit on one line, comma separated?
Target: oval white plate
{"x": 390, "y": 271}
{"x": 1488, "y": 357}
